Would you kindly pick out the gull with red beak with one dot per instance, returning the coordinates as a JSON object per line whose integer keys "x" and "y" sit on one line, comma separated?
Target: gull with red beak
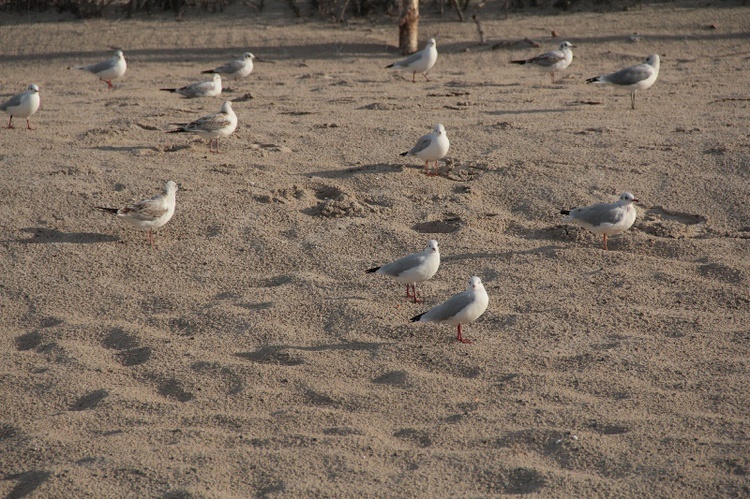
{"x": 106, "y": 71}
{"x": 607, "y": 219}
{"x": 414, "y": 268}
{"x": 462, "y": 308}
{"x": 22, "y": 105}
{"x": 431, "y": 147}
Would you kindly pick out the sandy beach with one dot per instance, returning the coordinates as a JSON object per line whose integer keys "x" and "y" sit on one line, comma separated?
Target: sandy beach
{"x": 248, "y": 354}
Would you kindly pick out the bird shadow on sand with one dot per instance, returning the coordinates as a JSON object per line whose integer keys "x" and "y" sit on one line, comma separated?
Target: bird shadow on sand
{"x": 502, "y": 255}
{"x": 40, "y": 235}
{"x": 280, "y": 354}
{"x": 126, "y": 148}
{"x": 529, "y": 111}
{"x": 28, "y": 482}
{"x": 357, "y": 170}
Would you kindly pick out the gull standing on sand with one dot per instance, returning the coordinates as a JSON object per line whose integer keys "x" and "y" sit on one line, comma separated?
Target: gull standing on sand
{"x": 210, "y": 88}
{"x": 22, "y": 105}
{"x": 552, "y": 61}
{"x": 414, "y": 268}
{"x": 151, "y": 213}
{"x": 106, "y": 71}
{"x": 462, "y": 308}
{"x": 607, "y": 219}
{"x": 634, "y": 78}
{"x": 236, "y": 69}
{"x": 211, "y": 127}
{"x": 431, "y": 147}
{"x": 419, "y": 62}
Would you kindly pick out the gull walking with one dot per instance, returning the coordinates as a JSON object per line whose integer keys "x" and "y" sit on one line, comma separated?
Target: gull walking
{"x": 236, "y": 69}
{"x": 607, "y": 219}
{"x": 431, "y": 147}
{"x": 212, "y": 127}
{"x": 462, "y": 308}
{"x": 210, "y": 88}
{"x": 552, "y": 61}
{"x": 419, "y": 62}
{"x": 414, "y": 268}
{"x": 106, "y": 71}
{"x": 22, "y": 105}
{"x": 149, "y": 214}
{"x": 634, "y": 78}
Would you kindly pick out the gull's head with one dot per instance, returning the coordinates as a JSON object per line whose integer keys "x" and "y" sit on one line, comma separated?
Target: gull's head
{"x": 226, "y": 107}
{"x": 653, "y": 60}
{"x": 566, "y": 45}
{"x": 119, "y": 54}
{"x": 33, "y": 88}
{"x": 217, "y": 77}
{"x": 439, "y": 129}
{"x": 432, "y": 246}
{"x": 248, "y": 55}
{"x": 431, "y": 42}
{"x": 627, "y": 198}
{"x": 475, "y": 283}
{"x": 170, "y": 187}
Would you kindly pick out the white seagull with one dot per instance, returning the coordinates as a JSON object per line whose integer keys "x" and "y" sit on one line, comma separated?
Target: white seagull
{"x": 22, "y": 105}
{"x": 607, "y": 219}
{"x": 236, "y": 69}
{"x": 211, "y": 127}
{"x": 151, "y": 213}
{"x": 431, "y": 147}
{"x": 459, "y": 309}
{"x": 634, "y": 78}
{"x": 106, "y": 71}
{"x": 552, "y": 61}
{"x": 414, "y": 268}
{"x": 419, "y": 62}
{"x": 210, "y": 88}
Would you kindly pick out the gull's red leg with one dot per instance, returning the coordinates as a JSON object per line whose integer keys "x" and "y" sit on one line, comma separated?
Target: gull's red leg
{"x": 459, "y": 336}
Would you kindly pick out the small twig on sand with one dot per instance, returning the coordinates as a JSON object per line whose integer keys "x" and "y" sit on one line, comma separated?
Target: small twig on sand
{"x": 733, "y": 54}
{"x": 530, "y": 43}
{"x": 295, "y": 9}
{"x": 458, "y": 10}
{"x": 479, "y": 29}
{"x": 343, "y": 10}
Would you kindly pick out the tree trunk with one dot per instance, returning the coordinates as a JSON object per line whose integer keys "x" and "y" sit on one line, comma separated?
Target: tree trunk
{"x": 408, "y": 26}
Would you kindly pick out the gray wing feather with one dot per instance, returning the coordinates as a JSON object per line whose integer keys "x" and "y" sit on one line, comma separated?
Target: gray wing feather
{"x": 99, "y": 67}
{"x": 409, "y": 60}
{"x": 12, "y": 102}
{"x": 148, "y": 209}
{"x": 548, "y": 58}
{"x": 631, "y": 75}
{"x": 401, "y": 265}
{"x": 209, "y": 123}
{"x": 422, "y": 144}
{"x": 230, "y": 67}
{"x": 449, "y": 308}
{"x": 598, "y": 214}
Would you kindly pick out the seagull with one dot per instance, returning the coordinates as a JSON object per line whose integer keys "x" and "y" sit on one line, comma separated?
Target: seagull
{"x": 419, "y": 62}
{"x": 106, "y": 71}
{"x": 22, "y": 105}
{"x": 211, "y": 127}
{"x": 431, "y": 147}
{"x": 634, "y": 78}
{"x": 459, "y": 309}
{"x": 552, "y": 61}
{"x": 199, "y": 89}
{"x": 414, "y": 268}
{"x": 150, "y": 213}
{"x": 236, "y": 69}
{"x": 607, "y": 219}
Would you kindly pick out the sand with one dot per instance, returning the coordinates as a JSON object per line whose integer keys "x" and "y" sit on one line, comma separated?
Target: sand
{"x": 249, "y": 354}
